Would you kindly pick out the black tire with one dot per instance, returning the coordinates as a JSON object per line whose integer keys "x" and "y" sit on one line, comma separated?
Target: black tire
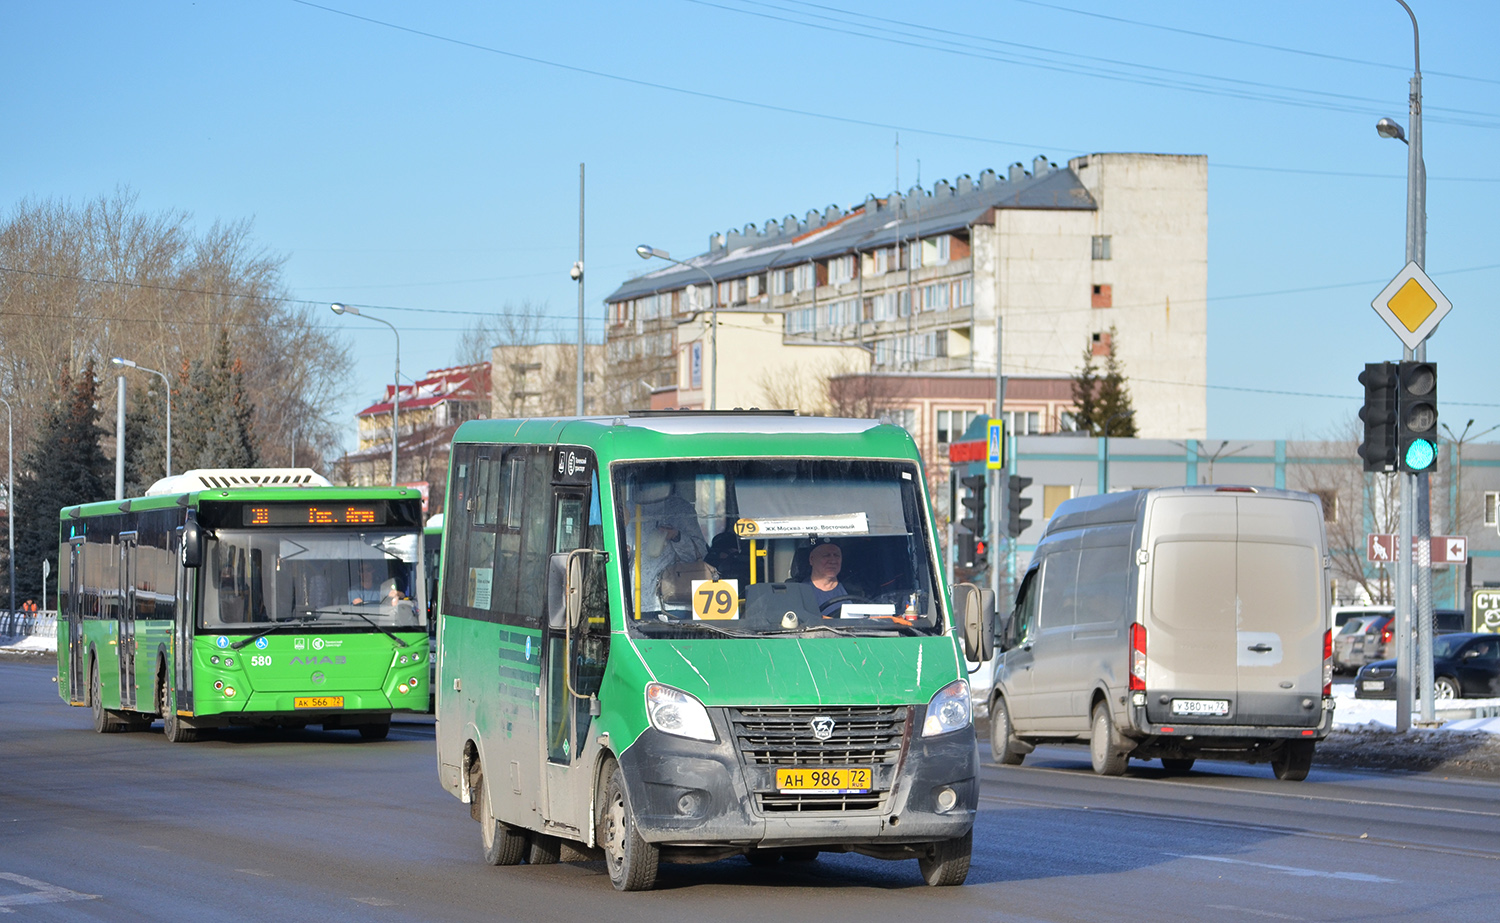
{"x": 1002, "y": 735}
{"x": 761, "y": 858}
{"x": 378, "y": 731}
{"x": 1185, "y": 764}
{"x": 1446, "y": 688}
{"x": 544, "y": 849}
{"x": 801, "y": 854}
{"x": 105, "y": 721}
{"x": 1293, "y": 761}
{"x": 1108, "y": 758}
{"x": 502, "y": 843}
{"x": 948, "y": 863}
{"x": 171, "y": 726}
{"x": 632, "y": 862}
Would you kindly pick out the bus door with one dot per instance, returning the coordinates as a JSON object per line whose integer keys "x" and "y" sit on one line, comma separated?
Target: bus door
{"x": 571, "y": 675}
{"x": 73, "y": 614}
{"x": 182, "y": 632}
{"x": 125, "y": 612}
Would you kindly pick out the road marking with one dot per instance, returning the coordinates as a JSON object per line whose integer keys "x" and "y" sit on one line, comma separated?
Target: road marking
{"x": 375, "y": 901}
{"x": 1300, "y": 797}
{"x": 1364, "y": 838}
{"x": 1253, "y": 912}
{"x": 259, "y": 872}
{"x": 1290, "y": 869}
{"x": 40, "y": 893}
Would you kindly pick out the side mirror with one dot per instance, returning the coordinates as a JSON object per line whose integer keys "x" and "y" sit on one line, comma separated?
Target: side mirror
{"x": 192, "y": 544}
{"x": 557, "y": 590}
{"x": 968, "y": 611}
{"x": 573, "y": 601}
{"x": 987, "y": 618}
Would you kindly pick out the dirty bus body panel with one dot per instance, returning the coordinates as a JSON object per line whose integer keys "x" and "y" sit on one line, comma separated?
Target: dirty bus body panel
{"x": 207, "y": 608}
{"x": 693, "y": 701}
{"x": 1214, "y": 598}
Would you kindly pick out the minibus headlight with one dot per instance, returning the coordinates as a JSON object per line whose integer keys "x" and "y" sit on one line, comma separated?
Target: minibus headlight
{"x": 949, "y": 710}
{"x": 673, "y": 711}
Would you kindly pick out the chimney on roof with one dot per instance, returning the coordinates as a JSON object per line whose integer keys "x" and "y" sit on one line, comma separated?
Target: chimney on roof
{"x": 988, "y": 179}
{"x": 1017, "y": 172}
{"x": 1040, "y": 166}
{"x": 789, "y": 225}
{"x": 813, "y": 220}
{"x": 942, "y": 190}
{"x": 832, "y": 213}
{"x": 715, "y": 242}
{"x": 732, "y": 239}
{"x": 872, "y": 204}
{"x": 965, "y": 185}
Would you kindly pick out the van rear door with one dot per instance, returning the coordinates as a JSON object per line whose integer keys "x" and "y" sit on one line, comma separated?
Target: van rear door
{"x": 1279, "y": 647}
{"x": 1190, "y": 610}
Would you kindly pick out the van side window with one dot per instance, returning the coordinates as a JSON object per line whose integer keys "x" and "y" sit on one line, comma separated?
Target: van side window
{"x": 1025, "y": 611}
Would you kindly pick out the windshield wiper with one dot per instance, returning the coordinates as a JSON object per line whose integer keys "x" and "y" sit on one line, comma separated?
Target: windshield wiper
{"x": 698, "y": 625}
{"x": 376, "y": 625}
{"x": 276, "y": 627}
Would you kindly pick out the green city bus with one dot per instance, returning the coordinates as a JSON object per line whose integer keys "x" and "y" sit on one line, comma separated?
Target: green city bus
{"x": 702, "y": 700}
{"x": 244, "y": 597}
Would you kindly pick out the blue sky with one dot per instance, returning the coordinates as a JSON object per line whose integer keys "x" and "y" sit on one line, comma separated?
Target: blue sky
{"x": 424, "y": 157}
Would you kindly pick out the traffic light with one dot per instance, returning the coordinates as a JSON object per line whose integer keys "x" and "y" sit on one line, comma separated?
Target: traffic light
{"x": 973, "y": 502}
{"x": 1379, "y": 415}
{"x": 1416, "y": 416}
{"x": 1016, "y": 504}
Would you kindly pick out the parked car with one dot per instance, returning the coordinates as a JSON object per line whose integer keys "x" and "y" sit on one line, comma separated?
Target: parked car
{"x": 1362, "y": 639}
{"x": 1464, "y": 664}
{"x": 1343, "y": 614}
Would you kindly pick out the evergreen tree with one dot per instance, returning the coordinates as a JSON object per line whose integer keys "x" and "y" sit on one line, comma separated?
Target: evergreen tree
{"x": 65, "y": 466}
{"x": 1100, "y": 399}
{"x": 145, "y": 440}
{"x": 217, "y": 417}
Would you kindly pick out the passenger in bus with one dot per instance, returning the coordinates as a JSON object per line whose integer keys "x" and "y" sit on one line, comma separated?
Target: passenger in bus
{"x": 671, "y": 542}
{"x": 367, "y": 591}
{"x": 234, "y": 604}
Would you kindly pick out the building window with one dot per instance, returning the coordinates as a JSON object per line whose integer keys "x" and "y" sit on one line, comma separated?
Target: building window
{"x": 805, "y": 277}
{"x": 934, "y": 251}
{"x": 965, "y": 293}
{"x": 1491, "y": 502}
{"x": 904, "y": 417}
{"x": 1101, "y": 246}
{"x": 753, "y": 287}
{"x": 1023, "y": 422}
{"x": 1102, "y": 297}
{"x": 801, "y": 320}
{"x": 841, "y": 269}
{"x": 935, "y": 296}
{"x": 1330, "y": 499}
{"x": 1052, "y": 497}
{"x": 1099, "y": 345}
{"x": 952, "y": 424}
{"x": 883, "y": 261}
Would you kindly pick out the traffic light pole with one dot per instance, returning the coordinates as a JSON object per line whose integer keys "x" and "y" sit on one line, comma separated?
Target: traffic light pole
{"x": 998, "y": 484}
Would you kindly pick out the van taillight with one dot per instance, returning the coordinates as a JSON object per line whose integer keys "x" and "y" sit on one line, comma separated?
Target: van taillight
{"x": 1328, "y": 662}
{"x": 1137, "y": 658}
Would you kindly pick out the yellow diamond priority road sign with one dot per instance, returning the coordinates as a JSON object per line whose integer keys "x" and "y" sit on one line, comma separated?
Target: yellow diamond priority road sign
{"x": 1412, "y": 305}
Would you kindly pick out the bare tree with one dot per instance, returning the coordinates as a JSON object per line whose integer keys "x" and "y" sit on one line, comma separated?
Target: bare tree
{"x": 1335, "y": 473}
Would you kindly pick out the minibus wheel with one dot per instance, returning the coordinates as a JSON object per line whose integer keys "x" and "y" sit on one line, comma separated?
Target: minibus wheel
{"x": 503, "y": 844}
{"x": 632, "y": 862}
{"x": 948, "y": 863}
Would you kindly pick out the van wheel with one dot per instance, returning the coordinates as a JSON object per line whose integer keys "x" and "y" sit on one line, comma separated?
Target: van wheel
{"x": 503, "y": 844}
{"x": 1108, "y": 758}
{"x": 1293, "y": 761}
{"x": 1446, "y": 688}
{"x": 171, "y": 726}
{"x": 948, "y": 864}
{"x": 1177, "y": 765}
{"x": 632, "y": 862}
{"x": 1001, "y": 735}
{"x": 545, "y": 850}
{"x": 105, "y": 721}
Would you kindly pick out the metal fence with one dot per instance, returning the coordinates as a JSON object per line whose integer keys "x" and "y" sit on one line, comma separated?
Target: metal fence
{"x": 17, "y": 624}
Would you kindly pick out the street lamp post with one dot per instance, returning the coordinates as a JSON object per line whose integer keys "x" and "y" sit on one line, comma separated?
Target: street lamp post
{"x": 10, "y": 499}
{"x": 1415, "y": 516}
{"x": 1104, "y": 472}
{"x": 646, "y": 252}
{"x": 127, "y": 364}
{"x": 396, "y": 393}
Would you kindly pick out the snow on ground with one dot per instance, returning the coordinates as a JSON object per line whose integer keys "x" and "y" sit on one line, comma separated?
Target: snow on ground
{"x": 1353, "y": 714}
{"x": 32, "y": 644}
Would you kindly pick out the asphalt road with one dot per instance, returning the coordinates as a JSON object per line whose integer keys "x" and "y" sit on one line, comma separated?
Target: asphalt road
{"x": 319, "y": 825}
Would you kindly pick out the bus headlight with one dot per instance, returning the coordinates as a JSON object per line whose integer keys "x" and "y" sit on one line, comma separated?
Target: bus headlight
{"x": 673, "y": 711}
{"x": 949, "y": 710}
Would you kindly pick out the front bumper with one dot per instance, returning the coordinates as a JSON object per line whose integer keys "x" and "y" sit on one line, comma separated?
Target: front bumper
{"x": 693, "y": 793}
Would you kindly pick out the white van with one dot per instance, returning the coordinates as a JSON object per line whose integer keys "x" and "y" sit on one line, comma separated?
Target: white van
{"x": 1175, "y": 624}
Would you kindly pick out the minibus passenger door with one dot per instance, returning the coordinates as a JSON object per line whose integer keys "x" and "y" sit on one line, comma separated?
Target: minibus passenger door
{"x": 126, "y": 614}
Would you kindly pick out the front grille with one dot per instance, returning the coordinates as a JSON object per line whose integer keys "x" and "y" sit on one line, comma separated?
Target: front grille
{"x": 862, "y": 735}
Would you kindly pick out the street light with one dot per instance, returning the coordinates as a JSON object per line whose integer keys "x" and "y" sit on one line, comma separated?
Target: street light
{"x": 395, "y": 394}
{"x": 10, "y": 499}
{"x": 127, "y": 364}
{"x": 646, "y": 252}
{"x": 1104, "y": 474}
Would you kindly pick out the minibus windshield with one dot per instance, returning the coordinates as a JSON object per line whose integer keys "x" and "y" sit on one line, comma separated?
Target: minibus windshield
{"x": 769, "y": 547}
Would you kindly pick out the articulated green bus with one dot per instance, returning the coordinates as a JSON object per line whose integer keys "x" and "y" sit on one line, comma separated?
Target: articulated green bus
{"x": 244, "y": 597}
{"x": 644, "y": 649}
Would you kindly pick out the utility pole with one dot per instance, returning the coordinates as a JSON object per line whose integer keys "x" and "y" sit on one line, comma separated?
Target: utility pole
{"x": 578, "y": 274}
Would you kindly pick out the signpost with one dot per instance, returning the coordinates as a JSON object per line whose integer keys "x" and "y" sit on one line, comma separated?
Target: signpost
{"x": 1412, "y": 305}
{"x": 1380, "y": 548}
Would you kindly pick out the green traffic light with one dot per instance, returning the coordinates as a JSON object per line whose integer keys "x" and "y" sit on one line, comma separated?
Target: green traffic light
{"x": 1420, "y": 455}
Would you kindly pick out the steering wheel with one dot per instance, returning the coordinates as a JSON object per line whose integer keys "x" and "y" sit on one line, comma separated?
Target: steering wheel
{"x": 840, "y": 600}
